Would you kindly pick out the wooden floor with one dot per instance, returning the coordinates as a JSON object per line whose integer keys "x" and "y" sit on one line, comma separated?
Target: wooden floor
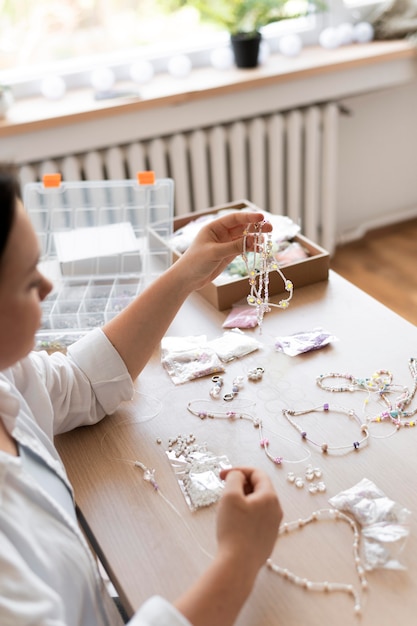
{"x": 384, "y": 264}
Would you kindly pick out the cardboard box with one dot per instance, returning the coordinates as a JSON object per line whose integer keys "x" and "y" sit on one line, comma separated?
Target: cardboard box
{"x": 302, "y": 272}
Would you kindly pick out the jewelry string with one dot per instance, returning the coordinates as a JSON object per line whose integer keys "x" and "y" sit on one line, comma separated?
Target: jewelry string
{"x": 258, "y": 271}
{"x": 149, "y": 474}
{"x": 289, "y": 414}
{"x": 380, "y": 383}
{"x": 255, "y": 421}
{"x": 396, "y": 412}
{"x": 326, "y": 586}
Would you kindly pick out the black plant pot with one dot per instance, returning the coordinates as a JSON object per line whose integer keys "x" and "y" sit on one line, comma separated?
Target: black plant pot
{"x": 245, "y": 48}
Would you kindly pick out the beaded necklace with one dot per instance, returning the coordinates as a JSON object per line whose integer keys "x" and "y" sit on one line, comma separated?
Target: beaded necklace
{"x": 325, "y": 447}
{"x": 256, "y": 422}
{"x": 258, "y": 271}
{"x": 381, "y": 384}
{"x": 325, "y": 586}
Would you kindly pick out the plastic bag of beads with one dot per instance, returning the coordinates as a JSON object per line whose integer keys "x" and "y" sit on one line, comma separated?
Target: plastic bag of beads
{"x": 305, "y": 341}
{"x": 197, "y": 470}
{"x": 234, "y": 344}
{"x": 188, "y": 358}
{"x": 241, "y": 316}
{"x": 289, "y": 252}
{"x": 384, "y": 523}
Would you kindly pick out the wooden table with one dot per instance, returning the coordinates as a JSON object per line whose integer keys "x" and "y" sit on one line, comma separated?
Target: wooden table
{"x": 148, "y": 547}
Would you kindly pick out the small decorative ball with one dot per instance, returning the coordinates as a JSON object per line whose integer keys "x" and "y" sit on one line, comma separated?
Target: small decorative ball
{"x": 264, "y": 52}
{"x": 141, "y": 71}
{"x": 329, "y": 38}
{"x": 363, "y": 32}
{"x": 290, "y": 45}
{"x": 222, "y": 58}
{"x": 345, "y": 33}
{"x": 53, "y": 87}
{"x": 179, "y": 66}
{"x": 102, "y": 79}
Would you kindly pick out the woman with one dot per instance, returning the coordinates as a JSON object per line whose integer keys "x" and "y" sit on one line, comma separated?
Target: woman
{"x": 47, "y": 572}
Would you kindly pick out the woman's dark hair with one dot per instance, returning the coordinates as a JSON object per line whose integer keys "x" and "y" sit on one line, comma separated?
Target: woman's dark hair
{"x": 9, "y": 192}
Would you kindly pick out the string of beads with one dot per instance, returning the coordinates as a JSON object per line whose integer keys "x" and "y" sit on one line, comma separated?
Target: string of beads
{"x": 258, "y": 271}
{"x": 325, "y": 447}
{"x": 325, "y": 586}
{"x": 381, "y": 384}
{"x": 256, "y": 422}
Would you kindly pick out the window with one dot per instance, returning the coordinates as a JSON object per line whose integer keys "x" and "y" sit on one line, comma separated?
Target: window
{"x": 71, "y": 37}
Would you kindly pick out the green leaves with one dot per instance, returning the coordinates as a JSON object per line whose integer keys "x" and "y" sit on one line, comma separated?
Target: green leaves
{"x": 247, "y": 16}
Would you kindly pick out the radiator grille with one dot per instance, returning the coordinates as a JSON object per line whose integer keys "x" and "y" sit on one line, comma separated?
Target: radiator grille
{"x": 284, "y": 162}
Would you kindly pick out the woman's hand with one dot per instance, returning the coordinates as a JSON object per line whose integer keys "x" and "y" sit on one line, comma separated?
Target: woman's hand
{"x": 249, "y": 516}
{"x": 218, "y": 243}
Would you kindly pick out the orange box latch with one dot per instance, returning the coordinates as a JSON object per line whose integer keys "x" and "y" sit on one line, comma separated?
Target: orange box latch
{"x": 51, "y": 180}
{"x": 146, "y": 178}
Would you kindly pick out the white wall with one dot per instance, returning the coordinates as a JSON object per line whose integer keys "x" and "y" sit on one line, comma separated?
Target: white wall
{"x": 378, "y": 154}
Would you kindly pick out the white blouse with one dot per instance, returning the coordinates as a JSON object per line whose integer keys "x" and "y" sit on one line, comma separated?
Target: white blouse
{"x": 48, "y": 575}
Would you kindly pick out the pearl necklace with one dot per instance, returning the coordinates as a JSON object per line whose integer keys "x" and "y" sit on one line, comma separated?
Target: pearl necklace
{"x": 325, "y": 586}
{"x": 325, "y": 447}
{"x": 258, "y": 272}
{"x": 256, "y": 422}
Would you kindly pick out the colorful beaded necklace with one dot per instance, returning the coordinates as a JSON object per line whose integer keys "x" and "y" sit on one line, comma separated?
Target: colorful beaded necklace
{"x": 325, "y": 447}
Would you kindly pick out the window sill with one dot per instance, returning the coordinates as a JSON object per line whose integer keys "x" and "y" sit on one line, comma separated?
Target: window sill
{"x": 36, "y": 114}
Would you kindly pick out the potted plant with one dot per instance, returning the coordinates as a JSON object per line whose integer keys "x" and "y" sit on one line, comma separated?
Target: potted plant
{"x": 243, "y": 19}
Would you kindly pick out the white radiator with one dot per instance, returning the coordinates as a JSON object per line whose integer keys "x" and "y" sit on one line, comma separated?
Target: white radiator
{"x": 284, "y": 162}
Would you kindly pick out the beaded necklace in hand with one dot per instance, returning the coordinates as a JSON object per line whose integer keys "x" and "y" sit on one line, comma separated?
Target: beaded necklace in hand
{"x": 258, "y": 271}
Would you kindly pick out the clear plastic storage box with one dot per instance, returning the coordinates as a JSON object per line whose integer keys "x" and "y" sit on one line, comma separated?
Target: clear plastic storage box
{"x": 98, "y": 247}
